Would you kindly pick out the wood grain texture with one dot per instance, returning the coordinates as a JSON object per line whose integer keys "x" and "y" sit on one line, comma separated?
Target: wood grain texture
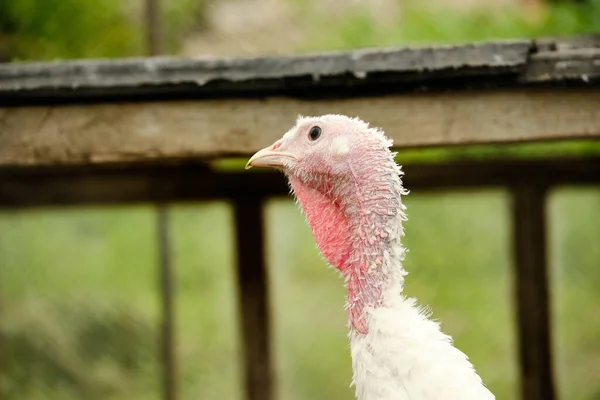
{"x": 161, "y": 131}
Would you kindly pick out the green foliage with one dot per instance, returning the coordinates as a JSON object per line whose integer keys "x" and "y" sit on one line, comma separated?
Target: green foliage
{"x": 66, "y": 29}
{"x": 420, "y": 22}
{"x": 50, "y": 29}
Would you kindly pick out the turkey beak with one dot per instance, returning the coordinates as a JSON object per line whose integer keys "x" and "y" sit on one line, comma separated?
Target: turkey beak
{"x": 271, "y": 157}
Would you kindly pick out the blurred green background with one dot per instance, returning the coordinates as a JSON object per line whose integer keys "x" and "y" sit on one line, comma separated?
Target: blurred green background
{"x": 79, "y": 310}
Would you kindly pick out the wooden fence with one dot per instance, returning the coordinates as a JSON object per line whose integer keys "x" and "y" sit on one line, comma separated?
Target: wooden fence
{"x": 141, "y": 130}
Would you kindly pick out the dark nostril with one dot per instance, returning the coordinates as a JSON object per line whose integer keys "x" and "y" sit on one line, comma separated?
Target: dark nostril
{"x": 276, "y": 145}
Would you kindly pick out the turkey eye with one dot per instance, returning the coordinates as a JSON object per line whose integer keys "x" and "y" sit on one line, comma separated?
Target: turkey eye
{"x": 315, "y": 133}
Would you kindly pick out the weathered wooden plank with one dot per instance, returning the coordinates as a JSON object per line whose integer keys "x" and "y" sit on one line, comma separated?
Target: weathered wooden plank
{"x": 570, "y": 64}
{"x": 169, "y": 76}
{"x": 192, "y": 182}
{"x": 159, "y": 131}
{"x": 531, "y": 284}
{"x": 253, "y": 298}
{"x": 546, "y": 61}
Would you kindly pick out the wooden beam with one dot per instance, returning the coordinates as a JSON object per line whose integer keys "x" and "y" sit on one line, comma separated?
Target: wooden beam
{"x": 161, "y": 131}
{"x": 253, "y": 298}
{"x": 531, "y": 284}
{"x": 573, "y": 61}
{"x": 192, "y": 182}
{"x": 154, "y": 78}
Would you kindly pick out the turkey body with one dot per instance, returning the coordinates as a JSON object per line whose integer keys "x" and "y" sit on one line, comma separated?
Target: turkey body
{"x": 405, "y": 356}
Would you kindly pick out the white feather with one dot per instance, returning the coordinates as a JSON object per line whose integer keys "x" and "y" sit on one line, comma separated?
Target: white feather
{"x": 405, "y": 356}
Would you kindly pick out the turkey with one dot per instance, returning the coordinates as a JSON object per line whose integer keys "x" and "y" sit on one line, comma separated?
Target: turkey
{"x": 346, "y": 181}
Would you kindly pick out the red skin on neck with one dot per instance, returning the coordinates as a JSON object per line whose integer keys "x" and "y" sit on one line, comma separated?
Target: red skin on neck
{"x": 332, "y": 233}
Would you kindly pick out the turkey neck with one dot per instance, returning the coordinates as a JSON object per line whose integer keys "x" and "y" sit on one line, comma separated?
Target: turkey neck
{"x": 357, "y": 224}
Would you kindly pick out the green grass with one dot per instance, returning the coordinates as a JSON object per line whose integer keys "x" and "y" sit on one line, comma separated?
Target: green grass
{"x": 206, "y": 300}
{"x": 79, "y": 316}
{"x": 80, "y": 313}
{"x": 79, "y": 293}
{"x": 575, "y": 280}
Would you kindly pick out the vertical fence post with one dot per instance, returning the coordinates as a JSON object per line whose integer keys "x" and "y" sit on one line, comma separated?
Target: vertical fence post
{"x": 253, "y": 297}
{"x": 167, "y": 340}
{"x": 153, "y": 27}
{"x": 531, "y": 274}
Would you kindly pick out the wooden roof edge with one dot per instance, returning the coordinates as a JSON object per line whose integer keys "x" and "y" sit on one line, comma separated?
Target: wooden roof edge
{"x": 571, "y": 61}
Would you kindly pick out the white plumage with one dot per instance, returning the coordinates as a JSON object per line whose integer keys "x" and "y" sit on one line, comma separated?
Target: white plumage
{"x": 405, "y": 356}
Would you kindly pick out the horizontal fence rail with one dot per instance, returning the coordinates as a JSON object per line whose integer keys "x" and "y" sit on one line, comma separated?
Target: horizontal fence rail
{"x": 135, "y": 184}
{"x": 515, "y": 91}
{"x": 158, "y": 131}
